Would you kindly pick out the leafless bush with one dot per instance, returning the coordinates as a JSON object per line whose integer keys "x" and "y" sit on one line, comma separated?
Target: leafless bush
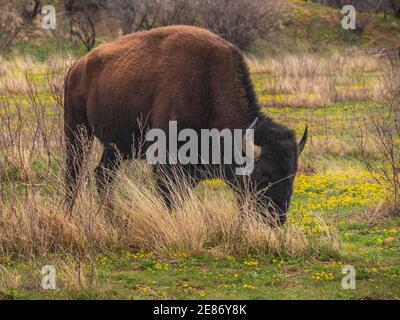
{"x": 239, "y": 21}
{"x": 10, "y": 25}
{"x": 134, "y": 15}
{"x": 82, "y": 15}
{"x": 31, "y": 9}
{"x": 34, "y": 118}
{"x": 395, "y": 6}
{"x": 385, "y": 125}
{"x": 381, "y": 126}
{"x": 82, "y": 26}
{"x": 177, "y": 12}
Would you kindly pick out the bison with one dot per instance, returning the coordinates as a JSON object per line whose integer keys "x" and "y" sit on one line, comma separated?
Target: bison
{"x": 178, "y": 73}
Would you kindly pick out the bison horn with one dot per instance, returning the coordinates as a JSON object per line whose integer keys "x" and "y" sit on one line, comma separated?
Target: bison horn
{"x": 253, "y": 125}
{"x": 248, "y": 141}
{"x": 302, "y": 143}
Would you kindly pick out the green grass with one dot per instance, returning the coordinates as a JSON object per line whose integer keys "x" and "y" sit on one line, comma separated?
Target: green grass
{"x": 137, "y": 276}
{"x": 319, "y": 27}
{"x": 371, "y": 248}
{"x": 42, "y": 49}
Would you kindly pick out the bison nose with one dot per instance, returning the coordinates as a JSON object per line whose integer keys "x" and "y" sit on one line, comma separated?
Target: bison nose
{"x": 282, "y": 214}
{"x": 282, "y": 219}
{"x": 277, "y": 219}
{"x": 286, "y": 206}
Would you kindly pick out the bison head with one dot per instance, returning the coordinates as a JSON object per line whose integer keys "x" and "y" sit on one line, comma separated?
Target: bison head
{"x": 275, "y": 165}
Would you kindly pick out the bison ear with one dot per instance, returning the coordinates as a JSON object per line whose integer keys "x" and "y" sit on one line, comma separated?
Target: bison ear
{"x": 254, "y": 150}
{"x": 302, "y": 143}
{"x": 248, "y": 144}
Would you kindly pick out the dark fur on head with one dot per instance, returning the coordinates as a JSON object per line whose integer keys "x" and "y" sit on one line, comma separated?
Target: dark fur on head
{"x": 274, "y": 172}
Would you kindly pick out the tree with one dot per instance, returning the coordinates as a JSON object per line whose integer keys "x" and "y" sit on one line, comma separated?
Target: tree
{"x": 381, "y": 126}
{"x": 395, "y": 6}
{"x": 10, "y": 26}
{"x": 30, "y": 10}
{"x": 134, "y": 15}
{"x": 175, "y": 12}
{"x": 82, "y": 15}
{"x": 240, "y": 21}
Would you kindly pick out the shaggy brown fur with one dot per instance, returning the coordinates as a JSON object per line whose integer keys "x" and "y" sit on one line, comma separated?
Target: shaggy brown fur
{"x": 149, "y": 78}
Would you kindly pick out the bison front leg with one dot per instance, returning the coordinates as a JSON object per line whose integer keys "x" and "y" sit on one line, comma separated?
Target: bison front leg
{"x": 174, "y": 184}
{"x": 105, "y": 175}
{"x": 166, "y": 193}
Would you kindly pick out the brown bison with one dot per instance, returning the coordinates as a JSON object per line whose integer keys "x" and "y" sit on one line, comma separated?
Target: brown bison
{"x": 179, "y": 73}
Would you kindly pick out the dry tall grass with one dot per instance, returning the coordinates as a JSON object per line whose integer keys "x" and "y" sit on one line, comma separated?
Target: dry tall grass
{"x": 309, "y": 80}
{"x": 34, "y": 220}
{"x": 33, "y": 223}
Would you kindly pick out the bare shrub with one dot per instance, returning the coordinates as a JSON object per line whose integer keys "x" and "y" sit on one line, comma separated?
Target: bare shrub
{"x": 82, "y": 15}
{"x": 375, "y": 215}
{"x": 240, "y": 22}
{"x": 135, "y": 15}
{"x": 382, "y": 127}
{"x": 10, "y": 26}
{"x": 173, "y": 12}
{"x": 55, "y": 77}
{"x": 31, "y": 9}
{"x": 395, "y": 6}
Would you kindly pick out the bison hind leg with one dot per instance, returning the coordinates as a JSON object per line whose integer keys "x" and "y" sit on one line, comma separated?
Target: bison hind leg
{"x": 79, "y": 139}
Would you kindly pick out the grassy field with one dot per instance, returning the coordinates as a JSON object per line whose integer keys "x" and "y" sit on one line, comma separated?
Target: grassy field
{"x": 203, "y": 251}
{"x": 341, "y": 213}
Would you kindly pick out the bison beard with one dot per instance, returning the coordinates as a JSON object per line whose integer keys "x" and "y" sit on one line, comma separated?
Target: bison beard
{"x": 145, "y": 80}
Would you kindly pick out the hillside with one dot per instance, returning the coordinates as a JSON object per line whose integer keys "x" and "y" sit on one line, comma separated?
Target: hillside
{"x": 316, "y": 28}
{"x": 309, "y": 27}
